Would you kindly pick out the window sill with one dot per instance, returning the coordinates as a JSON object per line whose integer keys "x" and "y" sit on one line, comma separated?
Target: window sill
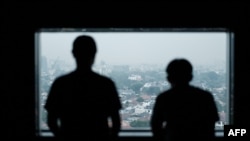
{"x": 133, "y": 133}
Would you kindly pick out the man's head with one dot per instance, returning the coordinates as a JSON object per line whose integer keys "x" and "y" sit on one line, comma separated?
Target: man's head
{"x": 84, "y": 50}
{"x": 179, "y": 71}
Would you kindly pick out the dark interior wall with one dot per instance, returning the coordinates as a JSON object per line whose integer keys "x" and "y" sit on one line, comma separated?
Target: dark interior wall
{"x": 21, "y": 20}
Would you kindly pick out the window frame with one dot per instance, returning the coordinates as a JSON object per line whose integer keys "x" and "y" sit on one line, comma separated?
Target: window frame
{"x": 137, "y": 132}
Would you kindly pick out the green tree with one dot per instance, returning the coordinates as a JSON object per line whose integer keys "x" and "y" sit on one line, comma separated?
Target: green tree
{"x": 120, "y": 78}
{"x": 152, "y": 90}
{"x": 139, "y": 123}
{"x": 139, "y": 99}
{"x": 136, "y": 87}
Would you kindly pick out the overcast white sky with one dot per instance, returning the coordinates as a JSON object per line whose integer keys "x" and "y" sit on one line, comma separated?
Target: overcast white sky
{"x": 201, "y": 48}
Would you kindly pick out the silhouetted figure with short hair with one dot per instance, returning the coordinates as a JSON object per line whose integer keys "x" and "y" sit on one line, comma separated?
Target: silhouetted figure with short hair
{"x": 183, "y": 112}
{"x": 80, "y": 103}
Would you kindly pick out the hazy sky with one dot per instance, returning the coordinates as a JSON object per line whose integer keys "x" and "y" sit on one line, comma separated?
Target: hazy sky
{"x": 201, "y": 48}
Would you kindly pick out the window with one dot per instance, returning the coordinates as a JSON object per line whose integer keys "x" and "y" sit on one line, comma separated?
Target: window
{"x": 136, "y": 58}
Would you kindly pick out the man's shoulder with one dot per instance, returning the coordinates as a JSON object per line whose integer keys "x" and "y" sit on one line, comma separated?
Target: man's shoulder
{"x": 200, "y": 90}
{"x": 64, "y": 77}
{"x": 202, "y": 93}
{"x": 93, "y": 76}
{"x": 164, "y": 94}
{"x": 190, "y": 89}
{"x": 102, "y": 77}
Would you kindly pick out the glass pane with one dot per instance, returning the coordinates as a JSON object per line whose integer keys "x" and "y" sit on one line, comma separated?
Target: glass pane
{"x": 136, "y": 62}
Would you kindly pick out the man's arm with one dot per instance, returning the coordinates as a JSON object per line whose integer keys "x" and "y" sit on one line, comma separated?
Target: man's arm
{"x": 116, "y": 123}
{"x": 53, "y": 123}
{"x": 52, "y": 108}
{"x": 156, "y": 121}
{"x": 114, "y": 107}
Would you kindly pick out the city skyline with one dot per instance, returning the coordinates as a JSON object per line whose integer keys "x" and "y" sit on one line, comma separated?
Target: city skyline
{"x": 138, "y": 89}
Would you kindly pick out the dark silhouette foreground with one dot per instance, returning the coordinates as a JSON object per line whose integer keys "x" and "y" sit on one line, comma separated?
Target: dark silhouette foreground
{"x": 184, "y": 111}
{"x": 80, "y": 103}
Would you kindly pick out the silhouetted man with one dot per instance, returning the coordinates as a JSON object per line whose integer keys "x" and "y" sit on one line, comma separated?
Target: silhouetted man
{"x": 183, "y": 111}
{"x": 80, "y": 103}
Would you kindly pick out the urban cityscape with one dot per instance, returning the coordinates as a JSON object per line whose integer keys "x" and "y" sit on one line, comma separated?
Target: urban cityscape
{"x": 138, "y": 86}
